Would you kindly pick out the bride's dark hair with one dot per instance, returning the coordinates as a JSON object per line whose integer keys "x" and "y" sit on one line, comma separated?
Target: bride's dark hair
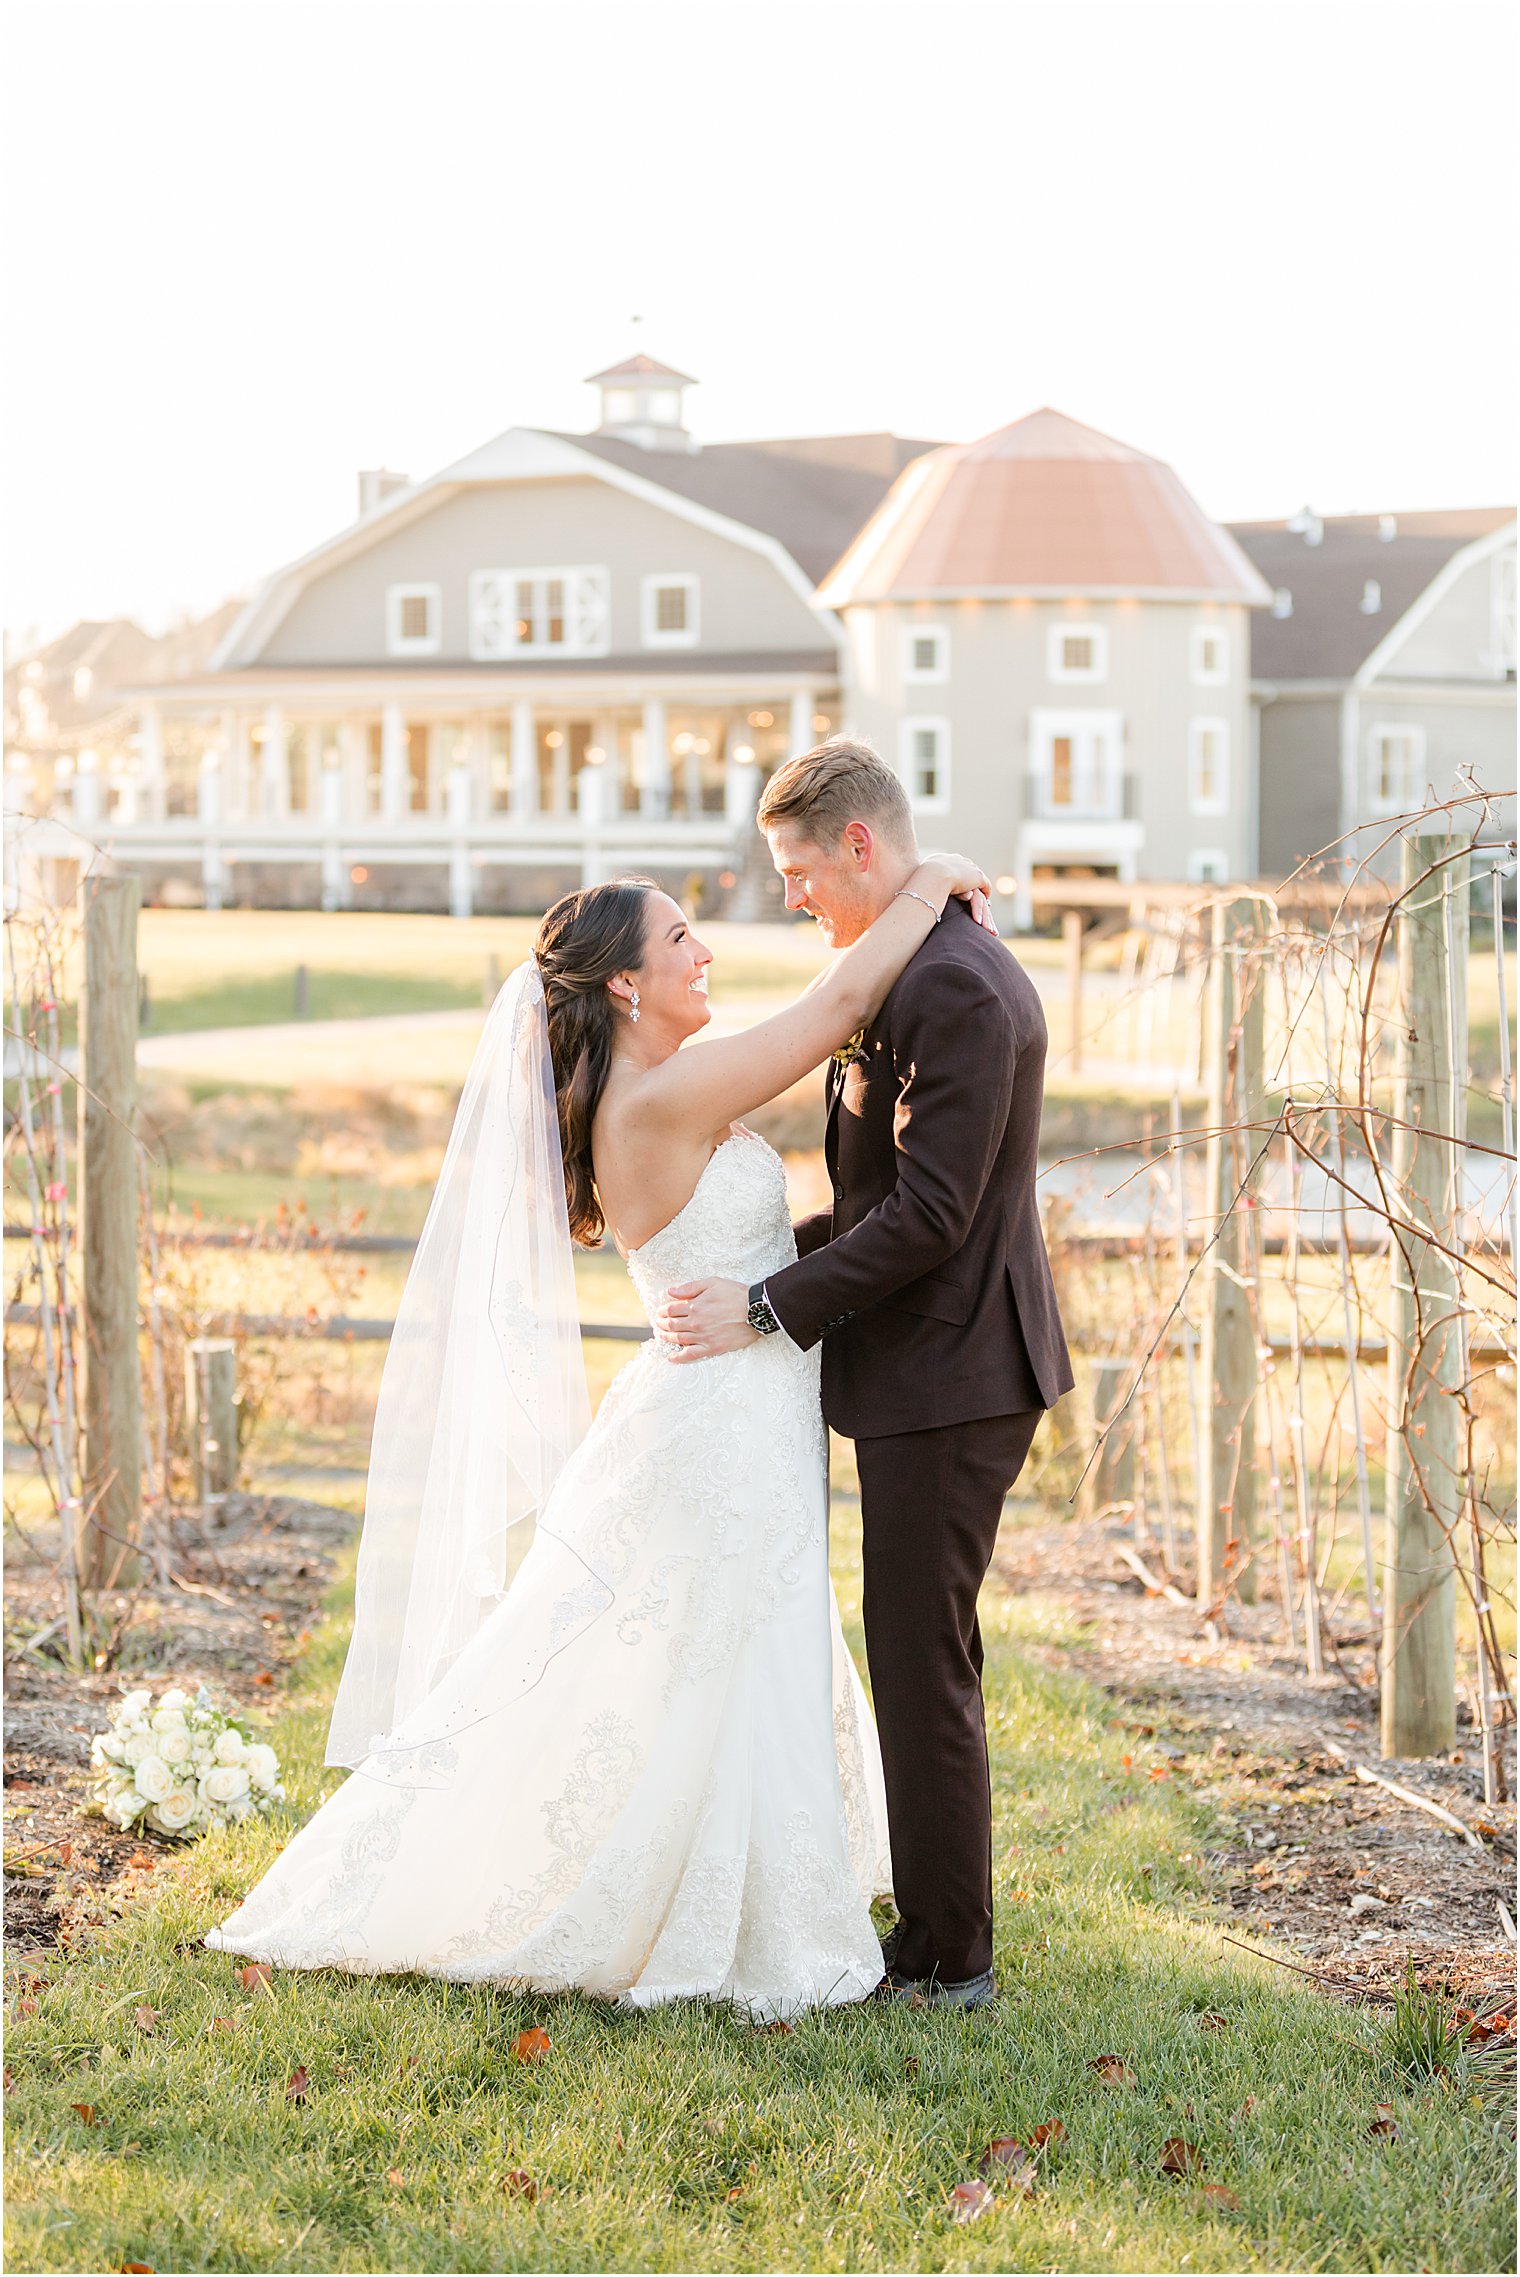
{"x": 584, "y": 939}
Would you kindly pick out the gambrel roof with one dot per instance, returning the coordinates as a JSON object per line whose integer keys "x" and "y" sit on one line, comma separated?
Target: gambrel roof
{"x": 1045, "y": 506}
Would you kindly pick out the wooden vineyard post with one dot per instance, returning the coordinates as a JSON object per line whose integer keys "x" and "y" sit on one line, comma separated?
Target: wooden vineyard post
{"x": 1237, "y": 1099}
{"x": 211, "y": 1421}
{"x": 1071, "y": 934}
{"x": 1425, "y": 1483}
{"x": 111, "y": 1376}
{"x": 1112, "y": 1476}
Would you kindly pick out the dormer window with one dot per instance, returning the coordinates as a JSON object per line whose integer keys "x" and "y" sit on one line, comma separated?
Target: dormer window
{"x": 925, "y": 654}
{"x": 539, "y": 612}
{"x": 1211, "y": 656}
{"x": 1077, "y": 652}
{"x": 671, "y": 611}
{"x": 413, "y": 620}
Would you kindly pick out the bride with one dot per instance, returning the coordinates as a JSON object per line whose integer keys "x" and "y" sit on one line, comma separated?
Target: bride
{"x": 646, "y": 1768}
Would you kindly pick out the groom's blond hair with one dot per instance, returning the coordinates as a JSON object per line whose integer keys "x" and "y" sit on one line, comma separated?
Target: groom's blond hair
{"x": 838, "y": 783}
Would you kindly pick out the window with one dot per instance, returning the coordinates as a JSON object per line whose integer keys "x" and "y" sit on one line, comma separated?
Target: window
{"x": 671, "y": 612}
{"x": 413, "y": 620}
{"x": 539, "y": 612}
{"x": 925, "y": 768}
{"x": 925, "y": 653}
{"x": 1208, "y": 866}
{"x": 1209, "y": 766}
{"x": 1372, "y": 597}
{"x": 1211, "y": 656}
{"x": 1077, "y": 652}
{"x": 665, "y": 407}
{"x": 619, "y": 406}
{"x": 1396, "y": 767}
{"x": 1282, "y": 602}
{"x": 1077, "y": 765}
{"x": 1502, "y": 615}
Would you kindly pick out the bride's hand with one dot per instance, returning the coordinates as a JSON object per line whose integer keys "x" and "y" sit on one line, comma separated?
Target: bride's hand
{"x": 967, "y": 881}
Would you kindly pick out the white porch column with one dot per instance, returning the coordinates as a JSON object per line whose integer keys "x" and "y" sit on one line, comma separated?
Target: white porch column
{"x": 741, "y": 793}
{"x": 276, "y": 768}
{"x": 352, "y": 750}
{"x": 208, "y": 809}
{"x": 393, "y": 777}
{"x": 524, "y": 760}
{"x": 236, "y": 802}
{"x": 655, "y": 798}
{"x": 592, "y": 788}
{"x": 87, "y": 790}
{"x": 459, "y": 802}
{"x": 799, "y": 733}
{"x": 332, "y": 792}
{"x": 150, "y": 763}
{"x": 475, "y": 758}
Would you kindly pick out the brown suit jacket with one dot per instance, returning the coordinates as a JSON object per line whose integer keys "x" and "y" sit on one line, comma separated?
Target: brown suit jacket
{"x": 930, "y": 1271}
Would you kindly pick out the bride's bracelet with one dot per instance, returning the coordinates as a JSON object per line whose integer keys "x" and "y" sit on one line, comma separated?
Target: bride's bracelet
{"x": 920, "y": 897}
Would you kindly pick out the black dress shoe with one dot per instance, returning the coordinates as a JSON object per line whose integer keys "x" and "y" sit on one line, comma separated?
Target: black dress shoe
{"x": 890, "y": 1946}
{"x": 928, "y": 1992}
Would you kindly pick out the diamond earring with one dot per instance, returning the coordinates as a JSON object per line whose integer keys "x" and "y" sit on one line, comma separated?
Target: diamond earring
{"x": 633, "y": 1007}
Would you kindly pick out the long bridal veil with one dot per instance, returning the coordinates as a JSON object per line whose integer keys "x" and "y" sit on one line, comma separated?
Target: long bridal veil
{"x": 482, "y": 1401}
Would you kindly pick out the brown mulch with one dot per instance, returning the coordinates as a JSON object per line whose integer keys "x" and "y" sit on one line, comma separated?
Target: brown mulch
{"x": 233, "y": 1616}
{"x": 1344, "y": 1878}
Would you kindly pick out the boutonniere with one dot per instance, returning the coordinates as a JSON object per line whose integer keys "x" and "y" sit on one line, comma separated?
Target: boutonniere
{"x": 850, "y": 1052}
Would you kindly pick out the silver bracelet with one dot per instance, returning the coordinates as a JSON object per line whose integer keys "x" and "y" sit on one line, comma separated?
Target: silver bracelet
{"x": 912, "y": 896}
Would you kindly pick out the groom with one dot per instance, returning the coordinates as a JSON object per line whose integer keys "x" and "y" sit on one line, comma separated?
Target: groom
{"x": 928, "y": 1282}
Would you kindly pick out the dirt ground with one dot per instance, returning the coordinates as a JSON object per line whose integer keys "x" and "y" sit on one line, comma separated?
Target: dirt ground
{"x": 1344, "y": 1878}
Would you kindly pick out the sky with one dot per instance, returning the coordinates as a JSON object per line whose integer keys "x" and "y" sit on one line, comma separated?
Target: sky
{"x": 255, "y": 245}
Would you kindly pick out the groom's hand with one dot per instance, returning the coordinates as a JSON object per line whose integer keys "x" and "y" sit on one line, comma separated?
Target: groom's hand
{"x": 704, "y": 1318}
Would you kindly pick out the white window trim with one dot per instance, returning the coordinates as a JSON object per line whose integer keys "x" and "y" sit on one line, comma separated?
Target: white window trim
{"x": 1056, "y": 669}
{"x": 578, "y": 578}
{"x": 1044, "y": 727}
{"x": 908, "y": 765}
{"x": 1220, "y": 802}
{"x": 1413, "y": 795}
{"x": 1205, "y": 860}
{"x": 396, "y": 642}
{"x": 916, "y": 676}
{"x": 1202, "y": 677}
{"x": 691, "y": 633}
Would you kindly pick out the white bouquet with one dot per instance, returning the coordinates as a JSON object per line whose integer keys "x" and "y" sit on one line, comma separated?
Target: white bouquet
{"x": 181, "y": 1766}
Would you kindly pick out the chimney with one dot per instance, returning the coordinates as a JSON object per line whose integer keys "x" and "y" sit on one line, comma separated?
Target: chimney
{"x": 376, "y": 484}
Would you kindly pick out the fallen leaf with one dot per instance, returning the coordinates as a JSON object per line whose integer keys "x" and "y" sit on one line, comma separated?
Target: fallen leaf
{"x": 910, "y": 2067}
{"x": 1179, "y": 2156}
{"x": 1246, "y": 2108}
{"x": 86, "y": 2112}
{"x": 529, "y": 2046}
{"x": 145, "y": 2267}
{"x": 220, "y": 2024}
{"x": 139, "y": 1860}
{"x": 255, "y": 1978}
{"x": 7, "y": 2079}
{"x": 1218, "y": 2195}
{"x": 27, "y": 2007}
{"x": 970, "y": 2200}
{"x": 779, "y": 2028}
{"x": 64, "y": 1853}
{"x": 1383, "y": 2122}
{"x": 730, "y": 2196}
{"x": 1048, "y": 2134}
{"x": 395, "y": 2177}
{"x": 1112, "y": 2070}
{"x": 1212, "y": 2021}
{"x": 147, "y": 2018}
{"x": 297, "y": 2085}
{"x": 1006, "y": 2160}
{"x": 263, "y": 1677}
{"x": 520, "y": 2185}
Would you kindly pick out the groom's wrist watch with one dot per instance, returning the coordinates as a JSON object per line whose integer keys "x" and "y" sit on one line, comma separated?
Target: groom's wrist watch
{"x": 760, "y": 1317}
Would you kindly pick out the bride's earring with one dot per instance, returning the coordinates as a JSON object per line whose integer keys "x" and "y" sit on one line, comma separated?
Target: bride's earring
{"x": 633, "y": 1006}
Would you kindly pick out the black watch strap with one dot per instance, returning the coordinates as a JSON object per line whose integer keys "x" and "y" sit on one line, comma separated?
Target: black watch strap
{"x": 761, "y": 1319}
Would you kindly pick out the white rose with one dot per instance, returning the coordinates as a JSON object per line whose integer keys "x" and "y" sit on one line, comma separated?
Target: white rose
{"x": 175, "y": 1812}
{"x": 263, "y": 1765}
{"x": 174, "y": 1746}
{"x": 134, "y": 1704}
{"x": 104, "y": 1749}
{"x": 226, "y": 1783}
{"x": 230, "y": 1747}
{"x": 168, "y": 1719}
{"x": 201, "y": 1748}
{"x": 154, "y": 1779}
{"x": 174, "y": 1698}
{"x": 123, "y": 1808}
{"x": 136, "y": 1746}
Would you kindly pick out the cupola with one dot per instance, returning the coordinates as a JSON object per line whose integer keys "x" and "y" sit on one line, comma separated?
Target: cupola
{"x": 644, "y": 402}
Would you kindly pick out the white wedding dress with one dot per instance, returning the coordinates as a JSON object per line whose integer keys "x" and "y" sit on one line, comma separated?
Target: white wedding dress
{"x": 663, "y": 1781}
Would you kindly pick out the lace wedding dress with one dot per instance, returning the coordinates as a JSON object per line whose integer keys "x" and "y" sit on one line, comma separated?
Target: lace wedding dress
{"x": 678, "y": 1791}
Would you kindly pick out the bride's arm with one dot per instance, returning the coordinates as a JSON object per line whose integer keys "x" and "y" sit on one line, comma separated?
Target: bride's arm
{"x": 707, "y": 1085}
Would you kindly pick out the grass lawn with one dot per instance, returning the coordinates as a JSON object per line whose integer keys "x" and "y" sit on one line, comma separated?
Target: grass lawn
{"x": 688, "y": 2140}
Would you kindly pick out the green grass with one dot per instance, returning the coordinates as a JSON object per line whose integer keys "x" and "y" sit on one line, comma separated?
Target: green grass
{"x": 687, "y": 2140}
